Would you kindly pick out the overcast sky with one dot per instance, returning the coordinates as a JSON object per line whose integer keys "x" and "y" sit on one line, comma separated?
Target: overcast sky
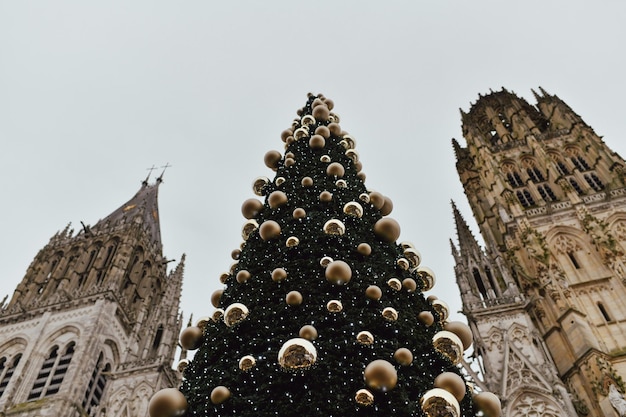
{"x": 94, "y": 93}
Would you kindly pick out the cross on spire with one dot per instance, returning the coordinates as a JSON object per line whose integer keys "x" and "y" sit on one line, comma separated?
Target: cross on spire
{"x": 166, "y": 166}
{"x": 152, "y": 168}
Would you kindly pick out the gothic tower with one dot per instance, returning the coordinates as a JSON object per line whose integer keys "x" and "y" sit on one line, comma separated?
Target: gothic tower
{"x": 545, "y": 298}
{"x": 92, "y": 328}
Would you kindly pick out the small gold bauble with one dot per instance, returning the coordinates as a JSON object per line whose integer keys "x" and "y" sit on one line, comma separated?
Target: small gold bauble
{"x": 215, "y": 297}
{"x": 272, "y": 158}
{"x": 462, "y": 330}
{"x": 409, "y": 284}
{"x": 442, "y": 309}
{"x": 427, "y": 276}
{"x": 293, "y": 298}
{"x": 279, "y": 274}
{"x": 380, "y": 375}
{"x": 335, "y": 170}
{"x": 403, "y": 263}
{"x": 307, "y": 120}
{"x": 488, "y": 403}
{"x": 323, "y": 131}
{"x": 341, "y": 184}
{"x": 248, "y": 228}
{"x": 353, "y": 155}
{"x": 334, "y": 227}
{"x": 361, "y": 175}
{"x": 297, "y": 353}
{"x": 334, "y": 128}
{"x": 300, "y": 133}
{"x": 191, "y": 338}
{"x": 365, "y": 338}
{"x": 299, "y": 213}
{"x": 364, "y": 249}
{"x": 364, "y": 397}
{"x": 390, "y": 314}
{"x": 202, "y": 322}
{"x": 235, "y": 254}
{"x": 321, "y": 113}
{"x": 403, "y": 356}
{"x": 307, "y": 182}
{"x": 269, "y": 230}
{"x": 338, "y": 272}
{"x": 449, "y": 345}
{"x": 325, "y": 261}
{"x": 235, "y": 313}
{"x": 290, "y": 155}
{"x": 350, "y": 141}
{"x": 373, "y": 292}
{"x": 325, "y": 158}
{"x": 167, "y": 402}
{"x": 413, "y": 256}
{"x": 220, "y": 394}
{"x": 308, "y": 332}
{"x": 406, "y": 245}
{"x": 326, "y": 196}
{"x": 259, "y": 184}
{"x": 292, "y": 241}
{"x": 247, "y": 362}
{"x": 182, "y": 365}
{"x": 277, "y": 199}
{"x": 217, "y": 315}
{"x": 387, "y": 207}
{"x": 317, "y": 142}
{"x": 233, "y": 267}
{"x": 243, "y": 276}
{"x": 353, "y": 209}
{"x": 426, "y": 317}
{"x": 334, "y": 306}
{"x": 280, "y": 180}
{"x": 387, "y": 229}
{"x": 452, "y": 383}
{"x": 286, "y": 133}
{"x": 251, "y": 208}
{"x": 364, "y": 198}
{"x": 359, "y": 166}
{"x": 377, "y": 199}
{"x": 224, "y": 277}
{"x": 395, "y": 284}
{"x": 438, "y": 402}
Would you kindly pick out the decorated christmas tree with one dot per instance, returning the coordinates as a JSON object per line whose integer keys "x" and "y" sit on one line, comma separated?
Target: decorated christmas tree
{"x": 322, "y": 313}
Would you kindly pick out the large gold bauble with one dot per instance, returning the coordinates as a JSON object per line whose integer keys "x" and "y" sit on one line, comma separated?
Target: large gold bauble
{"x": 380, "y": 375}
{"x": 334, "y": 128}
{"x": 413, "y": 256}
{"x": 427, "y": 276}
{"x": 395, "y": 284}
{"x": 220, "y": 394}
{"x": 426, "y": 318}
{"x": 353, "y": 209}
{"x": 488, "y": 403}
{"x": 462, "y": 330}
{"x": 452, "y": 383}
{"x": 297, "y": 353}
{"x": 365, "y": 338}
{"x": 317, "y": 142}
{"x": 364, "y": 397}
{"x": 248, "y": 228}
{"x": 168, "y": 402}
{"x": 277, "y": 199}
{"x": 233, "y": 267}
{"x": 259, "y": 184}
{"x": 293, "y": 298}
{"x": 377, "y": 199}
{"x": 334, "y": 306}
{"x": 247, "y": 362}
{"x": 387, "y": 229}
{"x": 308, "y": 332}
{"x": 390, "y": 314}
{"x": 438, "y": 402}
{"x": 251, "y": 208}
{"x": 442, "y": 309}
{"x": 243, "y": 276}
{"x": 334, "y": 227}
{"x": 335, "y": 170}
{"x": 387, "y": 207}
{"x": 279, "y": 274}
{"x": 286, "y": 133}
{"x": 373, "y": 292}
{"x": 321, "y": 113}
{"x": 215, "y": 297}
{"x": 403, "y": 356}
{"x": 449, "y": 345}
{"x": 235, "y": 313}
{"x": 269, "y": 230}
{"x": 323, "y": 131}
{"x": 338, "y": 272}
{"x": 364, "y": 249}
{"x": 191, "y": 338}
{"x": 271, "y": 159}
{"x": 409, "y": 284}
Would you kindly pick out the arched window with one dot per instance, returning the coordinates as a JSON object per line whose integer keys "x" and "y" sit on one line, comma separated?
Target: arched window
{"x": 7, "y": 369}
{"x": 52, "y": 372}
{"x": 575, "y": 185}
{"x": 604, "y": 312}
{"x": 479, "y": 283}
{"x": 512, "y": 176}
{"x": 594, "y": 182}
{"x": 546, "y": 193}
{"x": 578, "y": 161}
{"x": 525, "y": 198}
{"x": 96, "y": 386}
{"x": 157, "y": 338}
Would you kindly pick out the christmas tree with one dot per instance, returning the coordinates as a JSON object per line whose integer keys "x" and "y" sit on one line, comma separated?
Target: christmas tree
{"x": 322, "y": 313}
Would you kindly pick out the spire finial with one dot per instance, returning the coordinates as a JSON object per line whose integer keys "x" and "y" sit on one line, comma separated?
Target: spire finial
{"x": 166, "y": 166}
{"x": 145, "y": 182}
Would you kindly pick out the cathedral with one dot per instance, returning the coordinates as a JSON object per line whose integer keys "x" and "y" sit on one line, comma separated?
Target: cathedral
{"x": 92, "y": 328}
{"x": 545, "y": 297}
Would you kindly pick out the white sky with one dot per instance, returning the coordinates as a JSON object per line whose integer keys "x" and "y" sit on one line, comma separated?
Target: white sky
{"x": 93, "y": 93}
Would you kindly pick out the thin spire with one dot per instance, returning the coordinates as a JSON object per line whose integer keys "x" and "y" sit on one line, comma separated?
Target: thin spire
{"x": 466, "y": 238}
{"x": 145, "y": 182}
{"x": 166, "y": 166}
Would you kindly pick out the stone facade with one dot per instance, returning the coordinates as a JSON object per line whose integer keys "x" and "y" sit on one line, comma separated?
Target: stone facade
{"x": 545, "y": 298}
{"x": 92, "y": 328}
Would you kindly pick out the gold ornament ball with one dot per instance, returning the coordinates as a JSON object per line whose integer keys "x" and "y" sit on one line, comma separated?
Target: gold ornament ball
{"x": 449, "y": 345}
{"x": 308, "y": 332}
{"x": 353, "y": 209}
{"x": 325, "y": 261}
{"x": 182, "y": 365}
{"x": 277, "y": 199}
{"x": 335, "y": 129}
{"x": 364, "y": 249}
{"x": 243, "y": 276}
{"x": 224, "y": 277}
{"x": 442, "y": 309}
{"x": 403, "y": 263}
{"x": 329, "y": 103}
{"x": 413, "y": 256}
{"x": 220, "y": 394}
{"x": 427, "y": 276}
{"x": 364, "y": 197}
{"x": 325, "y": 158}
{"x": 271, "y": 159}
{"x": 247, "y": 362}
{"x": 364, "y": 397}
{"x": 335, "y": 170}
{"x": 365, "y": 338}
{"x": 299, "y": 213}
{"x": 317, "y": 142}
{"x": 308, "y": 120}
{"x": 387, "y": 207}
{"x": 361, "y": 175}
{"x": 233, "y": 267}
{"x": 323, "y": 131}
{"x": 248, "y": 228}
{"x": 426, "y": 318}
{"x": 338, "y": 272}
{"x": 269, "y": 230}
{"x": 215, "y": 298}
{"x": 359, "y": 166}
{"x": 390, "y": 314}
{"x": 293, "y": 298}
{"x": 251, "y": 207}
{"x": 380, "y": 375}
{"x": 317, "y": 102}
{"x": 488, "y": 403}
{"x": 168, "y": 402}
{"x": 334, "y": 227}
{"x": 202, "y": 322}
{"x": 409, "y": 284}
{"x": 321, "y": 113}
{"x": 285, "y": 134}
{"x": 279, "y": 181}
{"x": 373, "y": 292}
{"x": 403, "y": 356}
{"x": 438, "y": 402}
{"x": 377, "y": 200}
{"x": 387, "y": 229}
{"x": 395, "y": 284}
{"x": 217, "y": 315}
{"x": 354, "y": 156}
{"x": 259, "y": 184}
{"x": 326, "y": 196}
{"x": 292, "y": 241}
{"x": 462, "y": 330}
{"x": 432, "y": 298}
{"x": 289, "y": 162}
{"x": 296, "y": 354}
{"x": 235, "y": 254}
{"x": 191, "y": 338}
{"x": 334, "y": 306}
{"x": 452, "y": 383}
{"x": 279, "y": 274}
{"x": 307, "y": 182}
{"x": 341, "y": 184}
{"x": 235, "y": 313}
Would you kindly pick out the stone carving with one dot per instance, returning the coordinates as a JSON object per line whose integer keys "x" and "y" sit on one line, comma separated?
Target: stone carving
{"x": 536, "y": 407}
{"x": 617, "y": 400}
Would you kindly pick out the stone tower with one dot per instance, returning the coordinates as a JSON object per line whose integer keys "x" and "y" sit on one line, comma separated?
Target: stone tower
{"x": 545, "y": 298}
{"x": 92, "y": 328}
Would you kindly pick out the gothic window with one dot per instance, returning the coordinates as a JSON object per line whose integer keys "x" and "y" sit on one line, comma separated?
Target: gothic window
{"x": 479, "y": 283}
{"x": 580, "y": 163}
{"x": 512, "y": 176}
{"x": 568, "y": 247}
{"x": 604, "y": 312}
{"x": 546, "y": 192}
{"x": 68, "y": 265}
{"x": 560, "y": 166}
{"x": 575, "y": 186}
{"x": 504, "y": 121}
{"x": 52, "y": 372}
{"x": 525, "y": 198}
{"x": 96, "y": 386}
{"x": 572, "y": 258}
{"x": 7, "y": 369}
{"x": 594, "y": 182}
{"x": 490, "y": 277}
{"x": 157, "y": 338}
